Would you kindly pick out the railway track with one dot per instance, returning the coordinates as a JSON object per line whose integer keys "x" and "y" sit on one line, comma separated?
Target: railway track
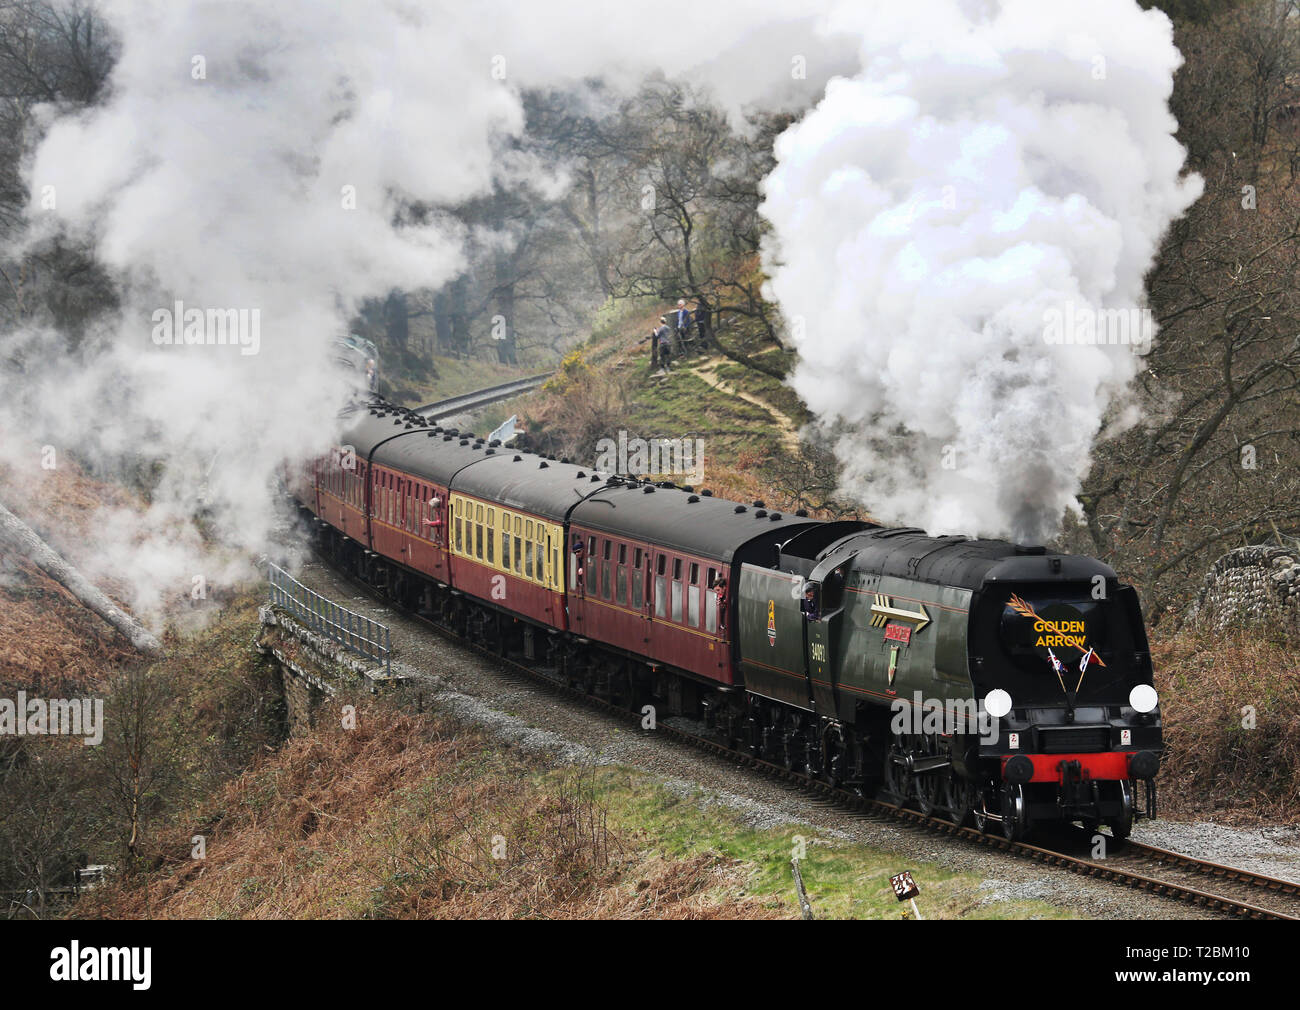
{"x": 480, "y": 397}
{"x": 1230, "y": 891}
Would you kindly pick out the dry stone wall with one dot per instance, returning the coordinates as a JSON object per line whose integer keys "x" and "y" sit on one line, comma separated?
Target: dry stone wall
{"x": 1248, "y": 587}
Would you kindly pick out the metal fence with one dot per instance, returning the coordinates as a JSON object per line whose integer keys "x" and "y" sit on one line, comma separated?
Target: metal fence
{"x": 325, "y": 617}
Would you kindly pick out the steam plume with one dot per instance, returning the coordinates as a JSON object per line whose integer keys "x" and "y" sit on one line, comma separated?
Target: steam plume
{"x": 1009, "y": 167}
{"x": 256, "y": 156}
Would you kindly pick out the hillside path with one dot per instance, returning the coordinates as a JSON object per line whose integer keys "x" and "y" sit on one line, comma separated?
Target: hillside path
{"x": 707, "y": 371}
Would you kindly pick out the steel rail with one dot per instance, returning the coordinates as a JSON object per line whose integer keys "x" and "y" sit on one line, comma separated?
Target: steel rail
{"x": 480, "y": 397}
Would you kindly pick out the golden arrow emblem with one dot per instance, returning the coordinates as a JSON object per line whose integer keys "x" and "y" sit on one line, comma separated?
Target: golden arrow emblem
{"x": 883, "y": 610}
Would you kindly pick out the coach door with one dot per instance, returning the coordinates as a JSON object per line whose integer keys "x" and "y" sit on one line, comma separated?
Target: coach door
{"x": 643, "y": 590}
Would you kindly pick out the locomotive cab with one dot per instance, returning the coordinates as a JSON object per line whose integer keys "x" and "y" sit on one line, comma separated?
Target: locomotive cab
{"x": 1060, "y": 656}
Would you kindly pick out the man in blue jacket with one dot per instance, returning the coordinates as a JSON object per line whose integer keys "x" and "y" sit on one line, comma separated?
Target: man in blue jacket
{"x": 683, "y": 322}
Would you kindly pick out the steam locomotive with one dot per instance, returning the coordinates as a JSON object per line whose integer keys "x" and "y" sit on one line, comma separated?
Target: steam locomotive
{"x": 976, "y": 679}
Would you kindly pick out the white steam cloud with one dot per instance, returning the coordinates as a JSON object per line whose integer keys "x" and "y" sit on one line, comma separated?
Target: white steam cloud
{"x": 984, "y": 187}
{"x": 255, "y": 156}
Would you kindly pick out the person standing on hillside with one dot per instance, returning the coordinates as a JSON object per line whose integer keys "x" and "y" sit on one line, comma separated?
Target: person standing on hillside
{"x": 682, "y": 321}
{"x": 702, "y": 327}
{"x": 664, "y": 338}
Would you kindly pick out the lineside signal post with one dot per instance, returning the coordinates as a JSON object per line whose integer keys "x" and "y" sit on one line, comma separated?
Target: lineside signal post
{"x": 905, "y": 889}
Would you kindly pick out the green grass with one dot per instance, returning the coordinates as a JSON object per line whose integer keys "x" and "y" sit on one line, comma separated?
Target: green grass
{"x": 844, "y": 880}
{"x": 682, "y": 405}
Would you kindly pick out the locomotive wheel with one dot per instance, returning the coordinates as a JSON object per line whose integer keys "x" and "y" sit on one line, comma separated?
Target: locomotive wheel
{"x": 793, "y": 751}
{"x": 929, "y": 785}
{"x": 1121, "y": 826}
{"x": 979, "y": 808}
{"x": 834, "y": 757}
{"x": 1015, "y": 812}
{"x": 960, "y": 795}
{"x": 929, "y": 792}
{"x": 898, "y": 781}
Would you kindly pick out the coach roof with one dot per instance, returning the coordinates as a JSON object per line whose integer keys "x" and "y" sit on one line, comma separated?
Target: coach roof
{"x": 672, "y": 517}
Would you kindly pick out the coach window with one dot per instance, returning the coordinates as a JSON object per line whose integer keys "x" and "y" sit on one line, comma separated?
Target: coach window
{"x": 638, "y": 582}
{"x": 676, "y": 590}
{"x": 620, "y": 575}
{"x": 505, "y": 541}
{"x": 542, "y": 552}
{"x": 528, "y": 549}
{"x": 693, "y": 597}
{"x": 491, "y": 536}
{"x": 478, "y": 532}
{"x": 604, "y": 570}
{"x": 661, "y": 588}
{"x": 460, "y": 541}
{"x": 711, "y": 603}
